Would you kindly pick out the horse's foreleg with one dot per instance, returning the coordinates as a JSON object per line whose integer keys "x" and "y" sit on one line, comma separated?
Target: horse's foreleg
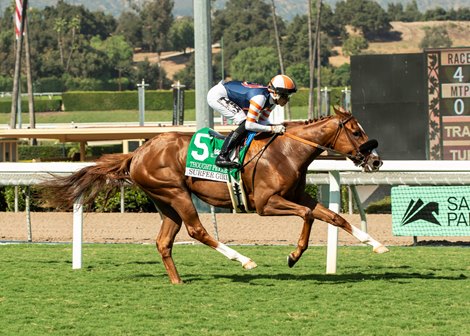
{"x": 324, "y": 214}
{"x": 279, "y": 206}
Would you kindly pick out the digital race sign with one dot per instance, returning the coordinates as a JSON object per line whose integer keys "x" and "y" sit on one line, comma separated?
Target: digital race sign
{"x": 448, "y": 73}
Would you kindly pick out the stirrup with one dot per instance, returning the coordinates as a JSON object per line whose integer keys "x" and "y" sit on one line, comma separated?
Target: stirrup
{"x": 224, "y": 163}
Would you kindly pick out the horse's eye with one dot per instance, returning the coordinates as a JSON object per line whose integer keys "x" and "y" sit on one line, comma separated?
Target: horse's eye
{"x": 356, "y": 133}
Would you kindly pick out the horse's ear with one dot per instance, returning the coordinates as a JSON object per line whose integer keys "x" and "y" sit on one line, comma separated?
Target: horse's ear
{"x": 341, "y": 111}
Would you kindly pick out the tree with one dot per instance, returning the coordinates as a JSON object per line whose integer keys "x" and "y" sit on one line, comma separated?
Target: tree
{"x": 255, "y": 64}
{"x": 182, "y": 34}
{"x": 153, "y": 74}
{"x": 353, "y": 45}
{"x": 435, "y": 37}
{"x": 436, "y": 14}
{"x": 365, "y": 15}
{"x": 243, "y": 24}
{"x": 118, "y": 52}
{"x": 157, "y": 18}
{"x": 300, "y": 73}
{"x": 395, "y": 11}
{"x": 67, "y": 32}
{"x": 412, "y": 13}
{"x": 129, "y": 26}
{"x": 295, "y": 42}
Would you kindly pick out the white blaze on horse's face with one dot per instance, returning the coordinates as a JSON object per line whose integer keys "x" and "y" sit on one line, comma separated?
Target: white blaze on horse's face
{"x": 372, "y": 162}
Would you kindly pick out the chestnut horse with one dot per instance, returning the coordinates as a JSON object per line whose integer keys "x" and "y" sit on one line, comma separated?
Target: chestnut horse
{"x": 274, "y": 176}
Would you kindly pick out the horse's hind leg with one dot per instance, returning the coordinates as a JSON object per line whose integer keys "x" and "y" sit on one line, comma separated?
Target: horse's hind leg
{"x": 326, "y": 215}
{"x": 165, "y": 240}
{"x": 196, "y": 230}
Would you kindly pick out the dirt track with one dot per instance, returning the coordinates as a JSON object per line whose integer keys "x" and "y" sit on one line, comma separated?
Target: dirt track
{"x": 232, "y": 229}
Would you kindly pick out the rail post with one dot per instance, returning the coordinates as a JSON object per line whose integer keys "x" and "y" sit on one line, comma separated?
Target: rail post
{"x": 77, "y": 238}
{"x": 332, "y": 242}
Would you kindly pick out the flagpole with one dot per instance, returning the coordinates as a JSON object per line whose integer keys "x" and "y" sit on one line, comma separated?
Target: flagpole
{"x": 20, "y": 15}
{"x": 29, "y": 79}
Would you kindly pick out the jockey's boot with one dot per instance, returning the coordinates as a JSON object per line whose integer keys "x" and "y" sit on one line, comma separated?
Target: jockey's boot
{"x": 223, "y": 159}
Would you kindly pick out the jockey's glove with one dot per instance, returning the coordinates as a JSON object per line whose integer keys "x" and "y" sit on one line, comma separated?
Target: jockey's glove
{"x": 280, "y": 129}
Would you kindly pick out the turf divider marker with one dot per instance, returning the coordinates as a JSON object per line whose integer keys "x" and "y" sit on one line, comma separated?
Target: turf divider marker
{"x": 77, "y": 234}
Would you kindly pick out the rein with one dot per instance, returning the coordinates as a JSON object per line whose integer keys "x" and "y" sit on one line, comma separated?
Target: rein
{"x": 314, "y": 144}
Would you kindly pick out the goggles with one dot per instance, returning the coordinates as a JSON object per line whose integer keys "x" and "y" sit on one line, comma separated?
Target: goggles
{"x": 285, "y": 95}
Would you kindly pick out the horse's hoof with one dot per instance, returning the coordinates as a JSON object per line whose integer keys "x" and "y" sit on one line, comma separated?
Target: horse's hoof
{"x": 250, "y": 265}
{"x": 381, "y": 249}
{"x": 291, "y": 261}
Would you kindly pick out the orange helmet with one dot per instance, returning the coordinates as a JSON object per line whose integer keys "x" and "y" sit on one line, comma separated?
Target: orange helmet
{"x": 281, "y": 85}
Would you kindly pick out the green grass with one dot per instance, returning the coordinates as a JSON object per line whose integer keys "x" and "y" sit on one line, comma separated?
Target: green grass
{"x": 124, "y": 290}
{"x": 298, "y": 112}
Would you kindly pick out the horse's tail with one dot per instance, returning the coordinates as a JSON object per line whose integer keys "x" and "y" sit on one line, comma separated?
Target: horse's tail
{"x": 107, "y": 176}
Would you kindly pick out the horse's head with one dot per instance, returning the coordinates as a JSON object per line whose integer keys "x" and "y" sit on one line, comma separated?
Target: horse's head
{"x": 351, "y": 140}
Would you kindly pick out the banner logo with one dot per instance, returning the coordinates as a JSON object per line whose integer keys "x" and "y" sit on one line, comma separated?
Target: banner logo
{"x": 417, "y": 210}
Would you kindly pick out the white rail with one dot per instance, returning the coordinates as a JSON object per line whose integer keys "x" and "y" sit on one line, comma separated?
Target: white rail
{"x": 330, "y": 172}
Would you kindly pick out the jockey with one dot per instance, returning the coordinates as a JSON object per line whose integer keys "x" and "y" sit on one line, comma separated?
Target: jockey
{"x": 249, "y": 106}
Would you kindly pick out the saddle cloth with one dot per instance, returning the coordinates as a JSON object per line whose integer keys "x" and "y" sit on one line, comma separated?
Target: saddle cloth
{"x": 203, "y": 150}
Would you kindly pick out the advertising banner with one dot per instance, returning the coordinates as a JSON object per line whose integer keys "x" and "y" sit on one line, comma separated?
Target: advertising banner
{"x": 431, "y": 211}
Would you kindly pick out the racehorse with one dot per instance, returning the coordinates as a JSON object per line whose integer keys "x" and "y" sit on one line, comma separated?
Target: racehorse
{"x": 273, "y": 174}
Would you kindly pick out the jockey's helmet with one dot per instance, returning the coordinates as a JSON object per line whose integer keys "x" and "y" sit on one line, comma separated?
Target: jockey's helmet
{"x": 281, "y": 86}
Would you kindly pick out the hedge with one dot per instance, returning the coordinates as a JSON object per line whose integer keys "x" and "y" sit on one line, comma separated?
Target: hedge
{"x": 128, "y": 100}
{"x": 63, "y": 151}
{"x": 122, "y": 100}
{"x": 41, "y": 104}
{"x": 154, "y": 100}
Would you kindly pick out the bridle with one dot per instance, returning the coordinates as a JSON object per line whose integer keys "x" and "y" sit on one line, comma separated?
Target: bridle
{"x": 359, "y": 157}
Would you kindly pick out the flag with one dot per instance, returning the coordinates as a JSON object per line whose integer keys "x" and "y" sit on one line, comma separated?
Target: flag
{"x": 18, "y": 14}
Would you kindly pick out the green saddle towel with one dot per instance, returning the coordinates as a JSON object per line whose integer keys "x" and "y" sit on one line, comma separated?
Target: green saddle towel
{"x": 202, "y": 152}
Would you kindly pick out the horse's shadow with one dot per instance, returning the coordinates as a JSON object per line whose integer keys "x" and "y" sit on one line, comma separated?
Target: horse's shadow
{"x": 330, "y": 278}
{"x": 398, "y": 274}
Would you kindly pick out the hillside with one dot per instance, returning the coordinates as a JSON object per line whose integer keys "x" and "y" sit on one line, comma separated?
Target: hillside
{"x": 287, "y": 9}
{"x": 411, "y": 35}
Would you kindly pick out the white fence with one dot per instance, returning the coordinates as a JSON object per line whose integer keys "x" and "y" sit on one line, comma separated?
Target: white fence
{"x": 329, "y": 172}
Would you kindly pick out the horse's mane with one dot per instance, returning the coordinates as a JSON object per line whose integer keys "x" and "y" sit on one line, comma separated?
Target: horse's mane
{"x": 306, "y": 122}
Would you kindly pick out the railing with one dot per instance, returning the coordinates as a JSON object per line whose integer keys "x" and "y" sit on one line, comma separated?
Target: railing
{"x": 329, "y": 172}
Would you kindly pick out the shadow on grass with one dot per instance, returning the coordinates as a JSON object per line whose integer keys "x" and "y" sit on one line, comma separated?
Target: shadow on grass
{"x": 334, "y": 278}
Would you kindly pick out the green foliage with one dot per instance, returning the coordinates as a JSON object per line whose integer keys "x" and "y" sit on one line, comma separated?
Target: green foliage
{"x": 6, "y": 83}
{"x": 41, "y": 104}
{"x": 7, "y": 198}
{"x": 435, "y": 37}
{"x": 300, "y": 72}
{"x": 182, "y": 34}
{"x": 43, "y": 152}
{"x": 127, "y": 100}
{"x": 354, "y": 45}
{"x": 366, "y": 15}
{"x": 156, "y": 18}
{"x": 411, "y": 12}
{"x": 244, "y": 24}
{"x": 118, "y": 52}
{"x": 257, "y": 64}
{"x": 129, "y": 26}
{"x": 312, "y": 190}
{"x": 135, "y": 200}
{"x": 154, "y": 76}
{"x": 383, "y": 206}
{"x": 295, "y": 44}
